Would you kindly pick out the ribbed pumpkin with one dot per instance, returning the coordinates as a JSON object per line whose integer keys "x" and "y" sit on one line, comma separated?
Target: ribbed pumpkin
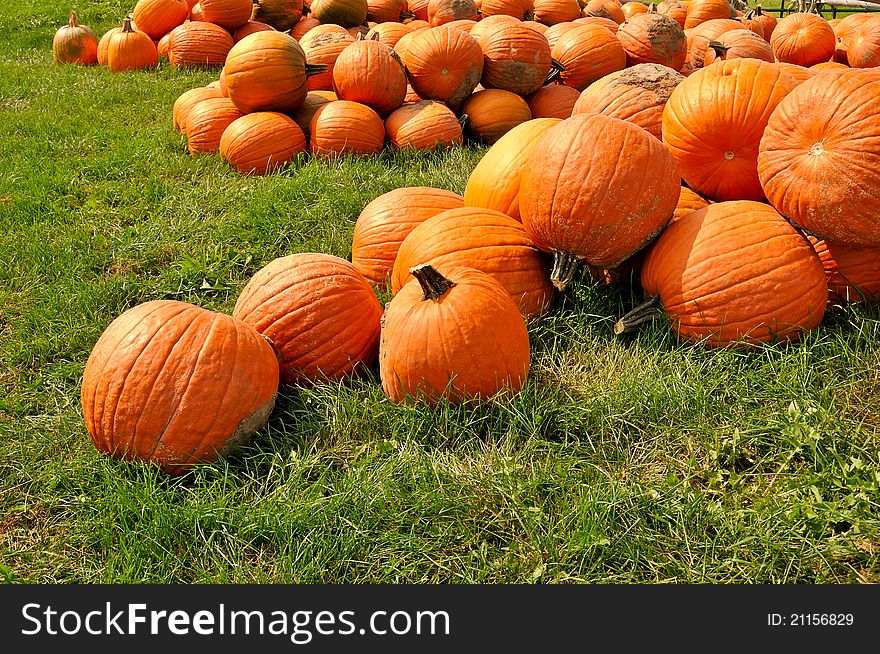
{"x": 490, "y": 24}
{"x": 767, "y": 22}
{"x": 249, "y": 28}
{"x": 267, "y": 71}
{"x": 314, "y": 100}
{"x": 158, "y": 17}
{"x": 738, "y": 44}
{"x": 843, "y": 31}
{"x": 424, "y": 125}
{"x": 828, "y": 65}
{"x": 610, "y": 9}
{"x": 386, "y": 221}
{"x": 206, "y": 122}
{"x": 104, "y": 45}
{"x": 688, "y": 202}
{"x": 553, "y": 101}
{"x": 607, "y": 23}
{"x": 734, "y": 273}
{"x": 163, "y": 45}
{"x": 370, "y": 72}
{"x": 633, "y": 8}
{"x": 418, "y": 8}
{"x": 652, "y": 38}
{"x": 174, "y": 385}
{"x": 75, "y": 44}
{"x": 819, "y": 160}
{"x": 863, "y": 47}
{"x": 322, "y": 46}
{"x": 713, "y": 122}
{"x": 483, "y": 239}
{"x": 515, "y": 58}
{"x": 596, "y": 189}
{"x": 453, "y": 336}
{"x": 587, "y": 53}
{"x": 554, "y": 32}
{"x": 551, "y": 12}
{"x": 345, "y": 127}
{"x": 199, "y": 44}
{"x": 699, "y": 37}
{"x": 319, "y": 313}
{"x": 444, "y": 64}
{"x": 520, "y": 9}
{"x": 389, "y": 33}
{"x": 803, "y": 39}
{"x": 441, "y": 12}
{"x": 799, "y": 73}
{"x": 638, "y": 95}
{"x": 534, "y": 25}
{"x": 346, "y": 13}
{"x": 131, "y": 49}
{"x": 261, "y": 142}
{"x": 280, "y": 14}
{"x": 303, "y": 27}
{"x": 853, "y": 272}
{"x": 700, "y": 11}
{"x": 677, "y": 11}
{"x": 495, "y": 181}
{"x": 230, "y": 14}
{"x": 195, "y": 12}
{"x": 491, "y": 113}
{"x": 187, "y": 100}
{"x": 383, "y": 11}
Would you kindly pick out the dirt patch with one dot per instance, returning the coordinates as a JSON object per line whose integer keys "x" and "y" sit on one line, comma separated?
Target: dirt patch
{"x": 656, "y": 78}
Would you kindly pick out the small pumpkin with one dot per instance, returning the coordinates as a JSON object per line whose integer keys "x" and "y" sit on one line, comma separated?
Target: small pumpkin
{"x": 187, "y": 100}
{"x": 766, "y": 21}
{"x": 423, "y": 125}
{"x": 131, "y": 49}
{"x": 75, "y": 44}
{"x": 261, "y": 142}
{"x": 491, "y": 113}
{"x": 553, "y": 101}
{"x": 370, "y": 72}
{"x": 346, "y": 127}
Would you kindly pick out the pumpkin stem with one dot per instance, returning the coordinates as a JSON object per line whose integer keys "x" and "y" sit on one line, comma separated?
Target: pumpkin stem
{"x": 434, "y": 285}
{"x": 463, "y": 121}
{"x": 652, "y": 8}
{"x": 758, "y": 11}
{"x": 633, "y": 320}
{"x": 126, "y": 26}
{"x": 528, "y": 16}
{"x": 555, "y": 70}
{"x": 315, "y": 69}
{"x": 719, "y": 48}
{"x": 405, "y": 15}
{"x": 74, "y": 21}
{"x": 565, "y": 265}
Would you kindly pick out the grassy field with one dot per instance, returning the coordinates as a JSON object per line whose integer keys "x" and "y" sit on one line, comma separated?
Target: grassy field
{"x": 637, "y": 460}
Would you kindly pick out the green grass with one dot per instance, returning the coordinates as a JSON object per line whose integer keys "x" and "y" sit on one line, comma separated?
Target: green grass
{"x": 637, "y": 460}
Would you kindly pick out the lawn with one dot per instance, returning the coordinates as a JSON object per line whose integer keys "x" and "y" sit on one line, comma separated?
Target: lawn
{"x": 624, "y": 460}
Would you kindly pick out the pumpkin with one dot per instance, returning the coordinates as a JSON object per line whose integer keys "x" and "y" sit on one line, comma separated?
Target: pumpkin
{"x": 370, "y": 72}
{"x": 322, "y": 47}
{"x": 491, "y": 113}
{"x": 195, "y": 12}
{"x": 843, "y": 31}
{"x": 483, "y": 239}
{"x": 444, "y": 64}
{"x": 519, "y": 9}
{"x": 187, "y": 100}
{"x": 652, "y": 38}
{"x": 863, "y": 46}
{"x": 452, "y": 336}
{"x": 104, "y": 45}
{"x": 677, "y": 11}
{"x": 817, "y": 163}
{"x": 555, "y": 32}
{"x": 495, "y": 181}
{"x": 318, "y": 312}
{"x": 441, "y": 12}
{"x": 803, "y": 39}
{"x": 206, "y": 122}
{"x": 389, "y": 33}
{"x": 175, "y": 385}
{"x": 261, "y": 142}
{"x": 733, "y": 274}
{"x": 853, "y": 272}
{"x": 799, "y": 73}
{"x": 610, "y": 9}
{"x": 346, "y": 13}
{"x": 346, "y": 127}
{"x": 688, "y": 202}
{"x": 280, "y": 14}
{"x": 828, "y": 65}
{"x": 573, "y": 200}
{"x": 130, "y": 49}
{"x": 638, "y": 95}
{"x": 386, "y": 221}
{"x": 551, "y": 12}
{"x": 75, "y": 44}
{"x": 766, "y": 21}
{"x": 750, "y": 23}
{"x": 700, "y": 11}
{"x": 424, "y": 125}
{"x": 698, "y": 40}
{"x": 267, "y": 71}
{"x": 534, "y": 25}
{"x": 383, "y": 11}
{"x": 249, "y": 28}
{"x": 163, "y": 45}
{"x": 713, "y": 122}
{"x": 515, "y": 58}
{"x": 158, "y": 17}
{"x": 229, "y": 14}
{"x": 738, "y": 44}
{"x": 633, "y": 8}
{"x": 314, "y": 99}
{"x": 303, "y": 27}
{"x": 419, "y": 9}
{"x": 199, "y": 44}
{"x": 587, "y": 53}
{"x": 553, "y": 101}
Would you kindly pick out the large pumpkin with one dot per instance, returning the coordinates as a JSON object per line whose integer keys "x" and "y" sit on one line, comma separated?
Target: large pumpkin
{"x": 199, "y": 44}
{"x": 75, "y": 44}
{"x": 483, "y": 239}
{"x": 553, "y": 101}
{"x": 596, "y": 189}
{"x": 387, "y": 220}
{"x": 853, "y": 271}
{"x": 452, "y": 336}
{"x": 261, "y": 142}
{"x": 587, "y": 53}
{"x": 495, "y": 181}
{"x": 370, "y": 72}
{"x": 652, "y": 38}
{"x": 700, "y": 11}
{"x": 424, "y": 125}
{"x": 734, "y": 273}
{"x": 280, "y": 14}
{"x": 803, "y": 39}
{"x": 843, "y": 30}
{"x": 863, "y": 46}
{"x": 491, "y": 113}
{"x": 819, "y": 160}
{"x": 346, "y": 13}
{"x": 444, "y": 64}
{"x": 515, "y": 58}
{"x": 346, "y": 127}
{"x": 319, "y": 313}
{"x": 230, "y": 14}
{"x": 173, "y": 384}
{"x": 713, "y": 122}
{"x": 158, "y": 17}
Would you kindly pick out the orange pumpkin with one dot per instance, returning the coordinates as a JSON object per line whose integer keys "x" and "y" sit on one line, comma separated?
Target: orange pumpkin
{"x": 515, "y": 58}
{"x": 652, "y": 38}
{"x": 551, "y": 12}
{"x": 249, "y": 28}
{"x": 633, "y": 8}
{"x": 638, "y": 95}
{"x": 799, "y": 73}
{"x": 187, "y": 100}
{"x": 370, "y": 72}
{"x": 389, "y": 33}
{"x": 519, "y": 9}
{"x": 229, "y": 14}
{"x": 206, "y": 122}
{"x": 587, "y": 53}
{"x": 261, "y": 142}
{"x": 483, "y": 239}
{"x": 199, "y": 44}
{"x": 314, "y": 99}
{"x": 610, "y": 9}
{"x": 346, "y": 127}
{"x": 843, "y": 30}
{"x": 863, "y": 46}
{"x": 419, "y": 9}
{"x": 553, "y": 101}
{"x": 607, "y": 23}
{"x": 384, "y": 11}
{"x": 75, "y": 44}
{"x": 491, "y": 113}
{"x": 738, "y": 44}
{"x": 574, "y": 203}
{"x": 688, "y": 202}
{"x": 803, "y": 39}
{"x": 386, "y": 221}
{"x": 700, "y": 11}
{"x": 444, "y": 64}
{"x": 158, "y": 17}
{"x": 104, "y": 45}
{"x": 676, "y": 10}
{"x": 175, "y": 385}
{"x": 853, "y": 272}
{"x": 698, "y": 39}
{"x": 322, "y": 47}
{"x": 815, "y": 163}
{"x": 750, "y": 23}
{"x": 131, "y": 49}
{"x": 555, "y": 32}
{"x": 766, "y": 21}
{"x": 441, "y": 12}
{"x": 481, "y": 356}
{"x": 424, "y": 125}
{"x": 280, "y": 14}
{"x": 303, "y": 27}
{"x": 347, "y": 13}
{"x": 734, "y": 274}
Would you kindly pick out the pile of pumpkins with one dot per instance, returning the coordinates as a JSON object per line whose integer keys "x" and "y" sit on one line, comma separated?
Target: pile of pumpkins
{"x": 743, "y": 193}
